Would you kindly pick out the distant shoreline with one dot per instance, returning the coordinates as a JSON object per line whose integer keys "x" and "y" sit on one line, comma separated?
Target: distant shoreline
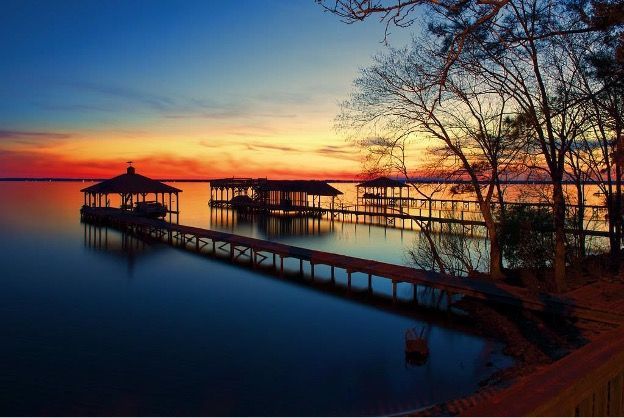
{"x": 415, "y": 180}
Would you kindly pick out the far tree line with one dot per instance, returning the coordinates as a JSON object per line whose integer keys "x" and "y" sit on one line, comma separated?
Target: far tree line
{"x": 500, "y": 89}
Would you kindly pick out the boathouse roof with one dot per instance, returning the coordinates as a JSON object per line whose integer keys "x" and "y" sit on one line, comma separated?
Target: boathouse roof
{"x": 314, "y": 187}
{"x": 382, "y": 182}
{"x": 131, "y": 182}
{"x": 234, "y": 182}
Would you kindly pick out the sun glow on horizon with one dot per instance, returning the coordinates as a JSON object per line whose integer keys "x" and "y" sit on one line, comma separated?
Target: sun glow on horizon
{"x": 205, "y": 95}
{"x": 85, "y": 155}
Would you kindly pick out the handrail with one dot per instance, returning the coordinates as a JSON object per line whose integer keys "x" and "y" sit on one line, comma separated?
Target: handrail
{"x": 586, "y": 382}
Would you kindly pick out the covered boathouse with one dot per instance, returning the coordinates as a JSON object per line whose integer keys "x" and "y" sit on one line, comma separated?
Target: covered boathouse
{"x": 310, "y": 197}
{"x": 381, "y": 191}
{"x": 134, "y": 191}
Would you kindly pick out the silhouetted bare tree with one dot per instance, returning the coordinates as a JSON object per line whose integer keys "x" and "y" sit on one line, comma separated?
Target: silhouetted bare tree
{"x": 512, "y": 54}
{"x": 467, "y": 122}
{"x": 601, "y": 88}
{"x": 590, "y": 16}
{"x": 524, "y": 51}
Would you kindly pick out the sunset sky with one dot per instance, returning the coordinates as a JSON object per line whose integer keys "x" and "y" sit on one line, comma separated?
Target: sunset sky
{"x": 185, "y": 89}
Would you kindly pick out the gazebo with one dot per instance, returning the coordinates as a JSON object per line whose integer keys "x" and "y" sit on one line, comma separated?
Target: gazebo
{"x": 381, "y": 191}
{"x": 132, "y": 188}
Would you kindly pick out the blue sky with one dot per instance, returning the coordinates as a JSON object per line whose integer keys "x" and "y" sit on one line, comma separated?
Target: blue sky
{"x": 172, "y": 75}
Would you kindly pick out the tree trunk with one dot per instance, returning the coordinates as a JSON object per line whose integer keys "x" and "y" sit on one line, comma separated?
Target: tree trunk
{"x": 496, "y": 259}
{"x": 580, "y": 216}
{"x": 432, "y": 246}
{"x": 616, "y": 243}
{"x": 559, "y": 267}
{"x": 496, "y": 254}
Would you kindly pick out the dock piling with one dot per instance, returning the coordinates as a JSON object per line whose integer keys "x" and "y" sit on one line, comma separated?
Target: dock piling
{"x": 281, "y": 265}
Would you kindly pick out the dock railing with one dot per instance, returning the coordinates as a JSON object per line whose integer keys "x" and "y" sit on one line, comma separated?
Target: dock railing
{"x": 586, "y": 382}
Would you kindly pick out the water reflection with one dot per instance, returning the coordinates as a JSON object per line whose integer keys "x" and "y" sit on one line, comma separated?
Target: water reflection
{"x": 193, "y": 335}
{"x": 117, "y": 244}
{"x": 269, "y": 226}
{"x": 120, "y": 244}
{"x": 424, "y": 303}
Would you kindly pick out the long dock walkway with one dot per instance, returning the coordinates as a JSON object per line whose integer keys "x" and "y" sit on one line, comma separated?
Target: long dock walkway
{"x": 402, "y": 217}
{"x": 208, "y": 241}
{"x": 397, "y": 217}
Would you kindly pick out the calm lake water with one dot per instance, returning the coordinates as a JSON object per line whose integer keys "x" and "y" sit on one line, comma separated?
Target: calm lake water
{"x": 126, "y": 328}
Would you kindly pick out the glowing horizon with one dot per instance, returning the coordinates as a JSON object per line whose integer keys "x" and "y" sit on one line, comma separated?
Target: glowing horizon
{"x": 184, "y": 91}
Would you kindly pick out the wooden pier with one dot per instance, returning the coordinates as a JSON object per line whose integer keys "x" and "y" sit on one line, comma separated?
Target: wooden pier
{"x": 377, "y": 203}
{"x": 401, "y": 220}
{"x": 408, "y": 212}
{"x": 261, "y": 253}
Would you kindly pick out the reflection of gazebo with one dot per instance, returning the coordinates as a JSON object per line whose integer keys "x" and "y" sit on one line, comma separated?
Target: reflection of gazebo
{"x": 132, "y": 188}
{"x": 381, "y": 191}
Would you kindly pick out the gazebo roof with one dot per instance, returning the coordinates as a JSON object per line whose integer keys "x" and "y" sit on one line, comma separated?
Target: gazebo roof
{"x": 382, "y": 182}
{"x": 314, "y": 187}
{"x": 130, "y": 183}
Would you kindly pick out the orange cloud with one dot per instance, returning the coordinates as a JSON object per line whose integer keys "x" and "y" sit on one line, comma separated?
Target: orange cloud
{"x": 179, "y": 150}
{"x": 34, "y": 164}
